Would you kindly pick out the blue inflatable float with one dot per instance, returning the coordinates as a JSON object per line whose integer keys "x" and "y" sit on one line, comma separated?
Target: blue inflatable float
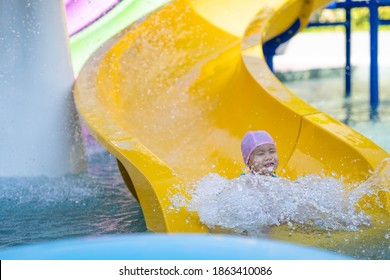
{"x": 152, "y": 246}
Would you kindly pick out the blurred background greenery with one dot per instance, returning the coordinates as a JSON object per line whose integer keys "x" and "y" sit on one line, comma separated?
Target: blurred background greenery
{"x": 360, "y": 19}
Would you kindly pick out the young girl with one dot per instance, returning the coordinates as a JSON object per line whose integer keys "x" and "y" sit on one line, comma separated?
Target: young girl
{"x": 259, "y": 153}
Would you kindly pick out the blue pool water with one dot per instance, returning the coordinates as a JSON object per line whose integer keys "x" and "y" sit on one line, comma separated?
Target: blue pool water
{"x": 90, "y": 204}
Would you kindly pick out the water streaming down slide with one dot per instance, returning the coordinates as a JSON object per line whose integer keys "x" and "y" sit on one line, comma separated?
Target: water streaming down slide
{"x": 39, "y": 124}
{"x": 40, "y": 130}
{"x": 172, "y": 97}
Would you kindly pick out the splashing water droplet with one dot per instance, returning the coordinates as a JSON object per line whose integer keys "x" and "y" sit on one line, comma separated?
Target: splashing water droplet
{"x": 251, "y": 202}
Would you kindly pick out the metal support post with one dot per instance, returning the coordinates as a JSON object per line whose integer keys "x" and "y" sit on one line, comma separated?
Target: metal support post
{"x": 374, "y": 89}
{"x": 348, "y": 67}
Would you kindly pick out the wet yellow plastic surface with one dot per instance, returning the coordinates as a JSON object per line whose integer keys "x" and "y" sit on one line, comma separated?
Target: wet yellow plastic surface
{"x": 172, "y": 96}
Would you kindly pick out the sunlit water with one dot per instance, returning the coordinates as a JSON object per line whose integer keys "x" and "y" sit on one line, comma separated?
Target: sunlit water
{"x": 311, "y": 210}
{"x": 253, "y": 202}
{"x": 93, "y": 203}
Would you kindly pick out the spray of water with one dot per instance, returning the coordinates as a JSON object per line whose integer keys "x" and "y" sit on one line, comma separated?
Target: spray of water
{"x": 252, "y": 203}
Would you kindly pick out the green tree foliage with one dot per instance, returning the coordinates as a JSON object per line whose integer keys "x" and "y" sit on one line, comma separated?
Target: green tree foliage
{"x": 360, "y": 18}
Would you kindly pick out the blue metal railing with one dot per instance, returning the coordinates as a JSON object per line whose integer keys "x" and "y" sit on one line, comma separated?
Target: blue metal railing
{"x": 269, "y": 48}
{"x": 375, "y": 21}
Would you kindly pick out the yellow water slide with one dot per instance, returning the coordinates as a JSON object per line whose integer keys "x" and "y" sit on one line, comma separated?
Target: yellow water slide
{"x": 171, "y": 97}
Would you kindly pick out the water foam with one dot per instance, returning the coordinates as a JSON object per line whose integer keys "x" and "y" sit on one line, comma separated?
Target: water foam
{"x": 45, "y": 191}
{"x": 251, "y": 203}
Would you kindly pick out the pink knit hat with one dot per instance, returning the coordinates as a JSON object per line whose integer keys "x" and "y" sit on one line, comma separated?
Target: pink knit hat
{"x": 253, "y": 139}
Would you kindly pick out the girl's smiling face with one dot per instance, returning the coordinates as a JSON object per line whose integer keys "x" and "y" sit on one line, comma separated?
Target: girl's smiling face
{"x": 263, "y": 160}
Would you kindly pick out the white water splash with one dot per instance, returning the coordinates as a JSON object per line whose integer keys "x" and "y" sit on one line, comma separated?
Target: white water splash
{"x": 252, "y": 202}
